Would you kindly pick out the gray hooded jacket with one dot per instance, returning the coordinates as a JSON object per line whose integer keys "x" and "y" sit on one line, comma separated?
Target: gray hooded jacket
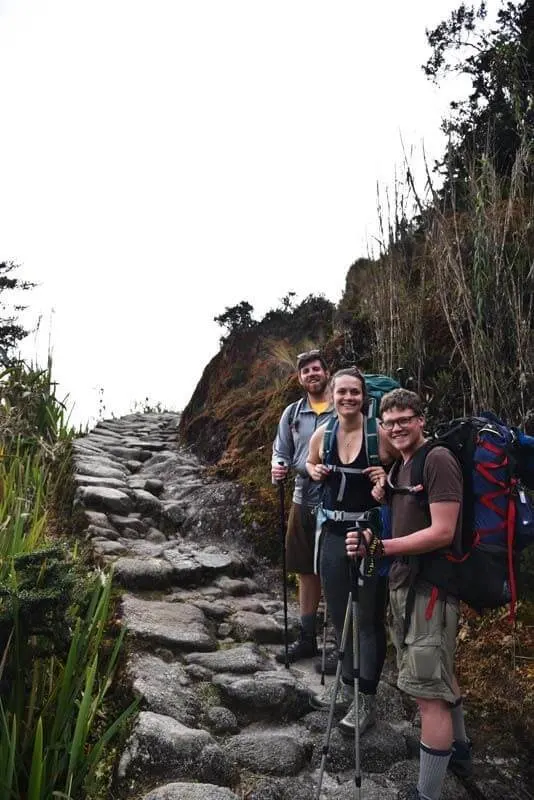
{"x": 291, "y": 447}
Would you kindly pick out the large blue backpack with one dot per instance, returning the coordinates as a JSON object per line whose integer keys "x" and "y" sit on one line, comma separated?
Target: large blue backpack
{"x": 497, "y": 517}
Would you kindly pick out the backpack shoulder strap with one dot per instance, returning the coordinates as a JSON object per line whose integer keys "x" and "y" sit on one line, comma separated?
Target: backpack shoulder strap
{"x": 418, "y": 463}
{"x": 294, "y": 411}
{"x": 329, "y": 438}
{"x": 416, "y": 476}
{"x": 370, "y": 429}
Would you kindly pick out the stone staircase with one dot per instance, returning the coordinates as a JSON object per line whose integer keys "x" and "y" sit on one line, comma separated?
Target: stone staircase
{"x": 220, "y": 718}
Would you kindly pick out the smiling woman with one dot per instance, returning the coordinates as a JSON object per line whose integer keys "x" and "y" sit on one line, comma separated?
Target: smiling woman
{"x": 349, "y": 478}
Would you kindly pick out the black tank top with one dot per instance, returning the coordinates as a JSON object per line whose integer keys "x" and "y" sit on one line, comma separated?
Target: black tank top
{"x": 357, "y": 495}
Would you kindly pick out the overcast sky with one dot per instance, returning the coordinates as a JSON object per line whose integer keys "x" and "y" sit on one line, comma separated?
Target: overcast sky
{"x": 162, "y": 160}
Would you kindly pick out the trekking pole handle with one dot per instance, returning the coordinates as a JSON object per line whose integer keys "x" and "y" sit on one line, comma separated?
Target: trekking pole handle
{"x": 355, "y": 561}
{"x": 284, "y": 465}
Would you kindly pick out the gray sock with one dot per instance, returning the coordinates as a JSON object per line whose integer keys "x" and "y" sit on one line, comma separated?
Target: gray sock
{"x": 307, "y": 622}
{"x": 458, "y": 721}
{"x": 432, "y": 770}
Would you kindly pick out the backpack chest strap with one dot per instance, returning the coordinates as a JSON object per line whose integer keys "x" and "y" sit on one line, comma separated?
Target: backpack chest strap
{"x": 344, "y": 472}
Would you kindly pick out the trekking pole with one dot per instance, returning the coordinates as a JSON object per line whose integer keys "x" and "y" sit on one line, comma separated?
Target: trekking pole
{"x": 323, "y": 657}
{"x": 354, "y": 571}
{"x": 281, "y": 490}
{"x": 337, "y": 681}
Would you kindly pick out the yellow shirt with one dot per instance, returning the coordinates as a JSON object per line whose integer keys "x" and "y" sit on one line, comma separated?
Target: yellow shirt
{"x": 320, "y": 408}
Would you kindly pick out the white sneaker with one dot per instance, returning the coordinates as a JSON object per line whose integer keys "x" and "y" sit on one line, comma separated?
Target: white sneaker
{"x": 344, "y": 697}
{"x": 366, "y": 713}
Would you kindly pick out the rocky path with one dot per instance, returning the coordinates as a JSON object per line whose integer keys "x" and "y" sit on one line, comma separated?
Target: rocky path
{"x": 220, "y": 718}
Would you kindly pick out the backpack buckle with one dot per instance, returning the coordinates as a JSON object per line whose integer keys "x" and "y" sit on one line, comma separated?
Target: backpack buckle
{"x": 338, "y": 516}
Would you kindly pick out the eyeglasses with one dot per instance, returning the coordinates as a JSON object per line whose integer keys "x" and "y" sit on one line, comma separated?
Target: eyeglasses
{"x": 402, "y": 422}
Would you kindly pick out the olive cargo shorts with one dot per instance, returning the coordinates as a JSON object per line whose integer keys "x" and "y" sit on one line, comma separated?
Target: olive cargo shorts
{"x": 425, "y": 656}
{"x": 300, "y": 539}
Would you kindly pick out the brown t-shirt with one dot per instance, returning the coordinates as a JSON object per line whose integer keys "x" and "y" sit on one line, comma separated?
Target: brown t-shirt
{"x": 442, "y": 479}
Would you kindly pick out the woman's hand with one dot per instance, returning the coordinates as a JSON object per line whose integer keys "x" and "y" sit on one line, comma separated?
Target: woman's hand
{"x": 376, "y": 475}
{"x": 378, "y": 492}
{"x": 356, "y": 543}
{"x": 317, "y": 472}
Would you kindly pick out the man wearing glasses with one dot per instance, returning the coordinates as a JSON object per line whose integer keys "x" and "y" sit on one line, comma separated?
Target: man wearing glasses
{"x": 426, "y": 522}
{"x": 290, "y": 449}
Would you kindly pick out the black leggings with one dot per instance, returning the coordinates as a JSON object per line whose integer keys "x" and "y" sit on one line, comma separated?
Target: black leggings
{"x": 372, "y": 601}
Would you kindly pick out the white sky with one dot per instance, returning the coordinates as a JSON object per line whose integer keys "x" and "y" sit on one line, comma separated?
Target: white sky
{"x": 162, "y": 160}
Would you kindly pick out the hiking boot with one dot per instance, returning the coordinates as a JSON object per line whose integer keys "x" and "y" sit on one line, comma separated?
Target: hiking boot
{"x": 330, "y": 664}
{"x": 304, "y": 647}
{"x": 323, "y": 701}
{"x": 461, "y": 761}
{"x": 366, "y": 713}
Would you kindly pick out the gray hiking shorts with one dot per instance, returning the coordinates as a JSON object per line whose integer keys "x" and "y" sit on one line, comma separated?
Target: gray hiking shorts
{"x": 425, "y": 656}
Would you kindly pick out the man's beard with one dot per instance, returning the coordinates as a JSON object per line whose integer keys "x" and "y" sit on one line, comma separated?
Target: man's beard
{"x": 316, "y": 387}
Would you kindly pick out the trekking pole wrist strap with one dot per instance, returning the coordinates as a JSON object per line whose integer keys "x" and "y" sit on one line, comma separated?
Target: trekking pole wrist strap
{"x": 375, "y": 547}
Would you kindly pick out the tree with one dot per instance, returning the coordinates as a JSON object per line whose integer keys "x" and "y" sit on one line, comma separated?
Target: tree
{"x": 236, "y": 318}
{"x": 11, "y": 332}
{"x": 498, "y": 115}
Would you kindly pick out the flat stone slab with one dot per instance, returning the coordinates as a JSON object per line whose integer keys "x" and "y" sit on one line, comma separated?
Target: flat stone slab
{"x": 238, "y": 660}
{"x": 217, "y": 561}
{"x": 265, "y": 693}
{"x": 267, "y": 753}
{"x": 131, "y": 521}
{"x": 108, "y": 547}
{"x": 406, "y": 773}
{"x": 302, "y": 787}
{"x": 213, "y": 609}
{"x": 93, "y": 480}
{"x": 144, "y": 548}
{"x": 128, "y": 453}
{"x": 103, "y": 499}
{"x": 97, "y": 469}
{"x": 191, "y": 791}
{"x": 380, "y": 748}
{"x": 147, "y": 503}
{"x": 178, "y": 626}
{"x": 371, "y": 790}
{"x": 185, "y": 569}
{"x": 97, "y": 518}
{"x": 172, "y": 749}
{"x": 142, "y": 573}
{"x": 235, "y": 587}
{"x": 165, "y": 688}
{"x": 96, "y": 532}
{"x": 262, "y": 628}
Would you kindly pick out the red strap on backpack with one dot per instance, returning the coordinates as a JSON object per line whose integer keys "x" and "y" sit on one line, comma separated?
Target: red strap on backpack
{"x": 510, "y": 537}
{"x": 433, "y": 599}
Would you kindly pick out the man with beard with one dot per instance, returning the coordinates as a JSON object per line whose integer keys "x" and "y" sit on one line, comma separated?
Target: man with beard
{"x": 290, "y": 449}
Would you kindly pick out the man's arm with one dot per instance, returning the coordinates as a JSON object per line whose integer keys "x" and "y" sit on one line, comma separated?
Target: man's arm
{"x": 439, "y": 533}
{"x": 283, "y": 448}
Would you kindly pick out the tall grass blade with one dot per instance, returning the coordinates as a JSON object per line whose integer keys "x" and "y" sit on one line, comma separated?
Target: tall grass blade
{"x": 36, "y": 772}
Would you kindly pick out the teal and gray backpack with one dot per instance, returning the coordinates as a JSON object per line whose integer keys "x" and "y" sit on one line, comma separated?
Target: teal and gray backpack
{"x": 377, "y": 386}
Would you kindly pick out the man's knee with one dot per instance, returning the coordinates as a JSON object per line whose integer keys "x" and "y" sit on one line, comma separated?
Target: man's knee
{"x": 432, "y": 707}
